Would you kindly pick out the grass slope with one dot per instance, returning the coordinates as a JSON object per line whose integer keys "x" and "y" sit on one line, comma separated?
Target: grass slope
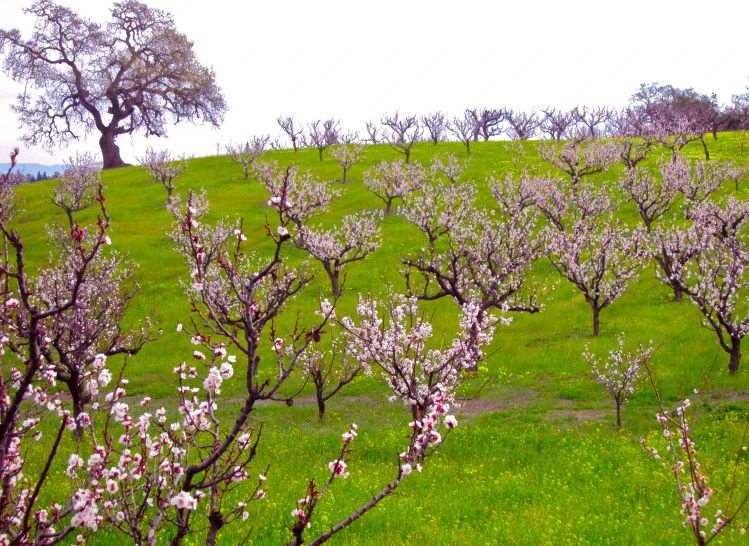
{"x": 536, "y": 459}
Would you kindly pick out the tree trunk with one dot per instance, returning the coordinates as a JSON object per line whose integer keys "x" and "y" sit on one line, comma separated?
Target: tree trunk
{"x": 596, "y": 325}
{"x": 333, "y": 276}
{"x": 408, "y": 155}
{"x": 345, "y": 171}
{"x": 618, "y": 414}
{"x": 320, "y": 150}
{"x": 733, "y": 364}
{"x": 246, "y": 172}
{"x": 387, "y": 208}
{"x": 70, "y": 220}
{"x": 217, "y": 522}
{"x": 468, "y": 147}
{"x": 334, "y": 284}
{"x": 169, "y": 196}
{"x": 320, "y": 404}
{"x": 79, "y": 401}
{"x": 704, "y": 147}
{"x": 110, "y": 152}
{"x": 678, "y": 293}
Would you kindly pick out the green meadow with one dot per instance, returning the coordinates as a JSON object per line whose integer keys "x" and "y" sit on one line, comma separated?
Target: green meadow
{"x": 536, "y": 458}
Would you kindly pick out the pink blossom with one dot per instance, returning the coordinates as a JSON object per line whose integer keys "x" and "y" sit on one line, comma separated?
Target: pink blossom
{"x": 184, "y": 501}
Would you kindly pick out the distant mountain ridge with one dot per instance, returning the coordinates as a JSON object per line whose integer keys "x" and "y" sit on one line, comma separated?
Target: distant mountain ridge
{"x": 33, "y": 168}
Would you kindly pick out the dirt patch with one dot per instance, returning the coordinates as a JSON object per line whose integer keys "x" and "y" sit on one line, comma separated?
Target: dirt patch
{"x": 510, "y": 401}
{"x": 579, "y": 415}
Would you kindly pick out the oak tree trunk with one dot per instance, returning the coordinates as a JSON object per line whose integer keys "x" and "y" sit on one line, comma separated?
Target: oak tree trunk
{"x": 110, "y": 152}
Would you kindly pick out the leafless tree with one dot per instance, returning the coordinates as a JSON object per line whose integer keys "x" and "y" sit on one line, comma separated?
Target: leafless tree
{"x": 556, "y": 123}
{"x": 131, "y": 75}
{"x": 277, "y": 144}
{"x": 375, "y": 132}
{"x": 295, "y": 134}
{"x": 402, "y": 133}
{"x": 323, "y": 133}
{"x": 594, "y": 119}
{"x": 437, "y": 124}
{"x": 486, "y": 122}
{"x": 464, "y": 130}
{"x": 523, "y": 125}
{"x": 349, "y": 137}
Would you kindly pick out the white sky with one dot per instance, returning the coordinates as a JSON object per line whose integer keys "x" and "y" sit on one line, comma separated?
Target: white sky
{"x": 356, "y": 60}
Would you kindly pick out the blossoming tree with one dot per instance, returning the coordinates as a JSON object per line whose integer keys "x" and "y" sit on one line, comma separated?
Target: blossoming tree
{"x": 394, "y": 180}
{"x": 162, "y": 168}
{"x": 356, "y": 238}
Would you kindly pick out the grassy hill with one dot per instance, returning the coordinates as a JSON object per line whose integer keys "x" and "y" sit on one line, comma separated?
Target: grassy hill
{"x": 536, "y": 459}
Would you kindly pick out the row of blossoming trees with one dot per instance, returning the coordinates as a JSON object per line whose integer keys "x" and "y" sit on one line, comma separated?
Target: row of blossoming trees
{"x": 148, "y": 472}
{"x": 672, "y": 116}
{"x": 487, "y": 253}
{"x": 146, "y": 469}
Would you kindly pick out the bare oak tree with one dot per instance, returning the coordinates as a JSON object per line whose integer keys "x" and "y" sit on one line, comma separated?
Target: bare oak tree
{"x": 134, "y": 74}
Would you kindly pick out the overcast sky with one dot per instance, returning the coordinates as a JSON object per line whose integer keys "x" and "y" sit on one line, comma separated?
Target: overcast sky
{"x": 356, "y": 60}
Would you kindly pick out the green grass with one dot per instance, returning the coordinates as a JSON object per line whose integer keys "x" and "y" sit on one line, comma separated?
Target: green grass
{"x": 536, "y": 459}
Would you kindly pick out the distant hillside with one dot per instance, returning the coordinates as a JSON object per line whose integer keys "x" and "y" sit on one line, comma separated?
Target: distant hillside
{"x": 34, "y": 168}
